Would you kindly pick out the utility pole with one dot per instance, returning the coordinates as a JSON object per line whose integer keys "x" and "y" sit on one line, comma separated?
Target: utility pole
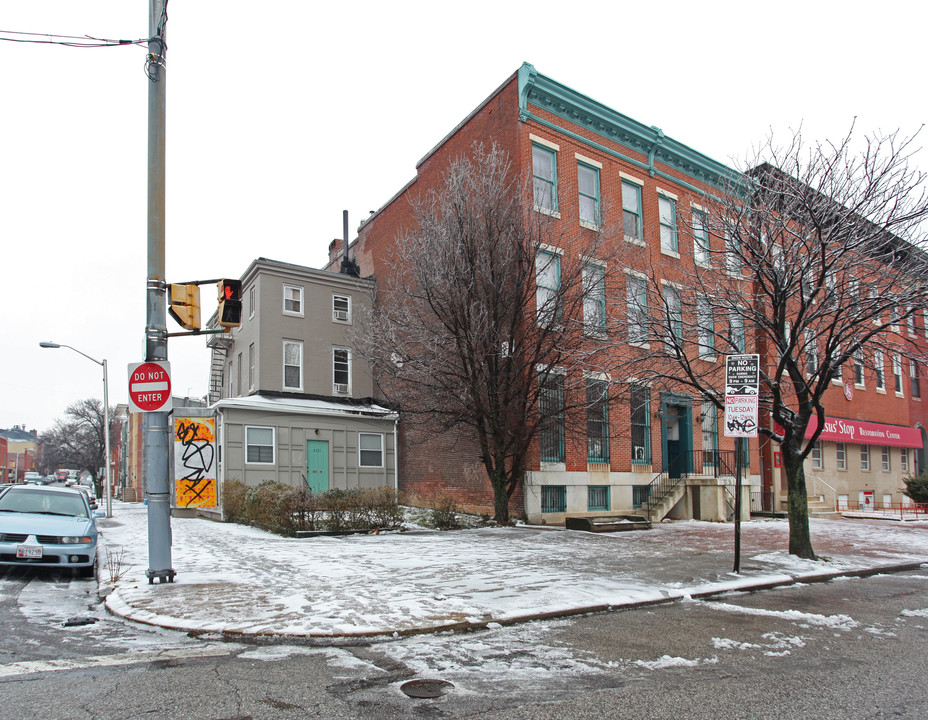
{"x": 156, "y": 438}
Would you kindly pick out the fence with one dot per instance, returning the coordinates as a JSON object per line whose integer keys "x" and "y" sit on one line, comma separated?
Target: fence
{"x": 904, "y": 511}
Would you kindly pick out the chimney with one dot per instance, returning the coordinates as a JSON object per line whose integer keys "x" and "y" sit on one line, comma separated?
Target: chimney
{"x": 349, "y": 267}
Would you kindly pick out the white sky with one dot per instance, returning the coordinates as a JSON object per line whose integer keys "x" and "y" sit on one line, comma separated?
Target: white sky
{"x": 280, "y": 115}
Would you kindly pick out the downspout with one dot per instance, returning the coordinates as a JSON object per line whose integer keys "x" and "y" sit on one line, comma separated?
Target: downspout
{"x": 221, "y": 475}
{"x": 396, "y": 455}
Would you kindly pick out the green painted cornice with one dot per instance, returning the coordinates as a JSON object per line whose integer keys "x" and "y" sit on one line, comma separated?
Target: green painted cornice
{"x": 542, "y": 92}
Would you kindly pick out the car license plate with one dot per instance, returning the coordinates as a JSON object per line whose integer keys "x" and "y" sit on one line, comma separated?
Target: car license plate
{"x": 28, "y": 551}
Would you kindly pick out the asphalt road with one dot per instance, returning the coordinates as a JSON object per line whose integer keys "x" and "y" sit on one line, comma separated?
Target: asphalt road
{"x": 848, "y": 650}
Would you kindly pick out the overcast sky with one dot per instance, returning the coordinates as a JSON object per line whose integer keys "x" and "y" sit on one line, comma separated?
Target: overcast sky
{"x": 282, "y": 114}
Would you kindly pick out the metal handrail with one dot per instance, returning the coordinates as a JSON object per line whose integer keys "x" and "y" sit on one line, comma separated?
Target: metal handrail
{"x": 816, "y": 479}
{"x": 722, "y": 463}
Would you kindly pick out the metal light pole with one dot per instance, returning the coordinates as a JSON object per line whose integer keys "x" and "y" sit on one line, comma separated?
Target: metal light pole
{"x": 106, "y": 421}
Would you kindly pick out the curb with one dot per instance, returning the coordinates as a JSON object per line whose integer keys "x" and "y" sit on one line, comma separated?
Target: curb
{"x": 769, "y": 582}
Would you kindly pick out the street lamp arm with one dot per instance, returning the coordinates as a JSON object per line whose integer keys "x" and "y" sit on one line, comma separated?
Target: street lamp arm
{"x": 62, "y": 345}
{"x": 106, "y": 421}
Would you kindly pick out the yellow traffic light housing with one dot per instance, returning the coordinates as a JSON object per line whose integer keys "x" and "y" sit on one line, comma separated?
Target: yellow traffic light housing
{"x": 229, "y": 314}
{"x": 184, "y": 305}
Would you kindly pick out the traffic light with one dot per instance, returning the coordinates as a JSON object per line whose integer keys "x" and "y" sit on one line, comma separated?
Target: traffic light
{"x": 230, "y": 303}
{"x": 184, "y": 301}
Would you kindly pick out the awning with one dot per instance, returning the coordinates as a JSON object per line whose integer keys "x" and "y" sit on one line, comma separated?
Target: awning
{"x": 866, "y": 433}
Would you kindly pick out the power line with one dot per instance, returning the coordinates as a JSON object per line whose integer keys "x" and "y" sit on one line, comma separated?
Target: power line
{"x": 79, "y": 41}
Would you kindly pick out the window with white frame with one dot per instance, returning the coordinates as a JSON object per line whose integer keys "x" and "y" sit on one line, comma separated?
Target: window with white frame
{"x": 597, "y": 421}
{"x": 859, "y": 367}
{"x": 841, "y": 456}
{"x": 251, "y": 366}
{"x": 551, "y": 408}
{"x": 710, "y": 432}
{"x": 293, "y": 300}
{"x": 904, "y": 459}
{"x": 631, "y": 211}
{"x": 910, "y": 320}
{"x": 732, "y": 254}
{"x": 705, "y": 323}
{"x": 811, "y": 353}
{"x": 864, "y": 457}
{"x": 341, "y": 308}
{"x": 252, "y": 301}
{"x": 914, "y": 379}
{"x": 293, "y": 365}
{"x": 370, "y": 450}
{"x": 547, "y": 285}
{"x": 544, "y": 172}
{"x": 701, "y": 237}
{"x": 897, "y": 373}
{"x": 674, "y": 319}
{"x": 736, "y": 331}
{"x": 879, "y": 370}
{"x": 667, "y": 215}
{"x": 885, "y": 458}
{"x": 594, "y": 298}
{"x": 636, "y": 295}
{"x": 588, "y": 186}
{"x": 640, "y": 416}
{"x": 259, "y": 445}
{"x": 341, "y": 371}
{"x": 238, "y": 375}
{"x": 817, "y": 460}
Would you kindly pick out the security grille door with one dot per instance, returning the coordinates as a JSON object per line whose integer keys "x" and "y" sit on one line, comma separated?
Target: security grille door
{"x": 317, "y": 465}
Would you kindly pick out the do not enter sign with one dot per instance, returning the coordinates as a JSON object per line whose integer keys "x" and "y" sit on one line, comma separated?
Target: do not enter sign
{"x": 150, "y": 387}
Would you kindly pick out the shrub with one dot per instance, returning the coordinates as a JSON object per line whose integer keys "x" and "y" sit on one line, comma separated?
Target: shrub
{"x": 265, "y": 506}
{"x": 283, "y": 509}
{"x": 916, "y": 487}
{"x": 233, "y": 501}
{"x": 444, "y": 514}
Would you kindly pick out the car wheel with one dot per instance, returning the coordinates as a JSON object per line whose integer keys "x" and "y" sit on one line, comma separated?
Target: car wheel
{"x": 87, "y": 572}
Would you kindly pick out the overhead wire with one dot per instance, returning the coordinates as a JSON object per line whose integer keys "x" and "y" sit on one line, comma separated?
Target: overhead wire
{"x": 153, "y": 60}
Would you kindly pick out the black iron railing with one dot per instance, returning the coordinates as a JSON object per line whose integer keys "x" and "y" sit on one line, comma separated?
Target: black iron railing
{"x": 706, "y": 463}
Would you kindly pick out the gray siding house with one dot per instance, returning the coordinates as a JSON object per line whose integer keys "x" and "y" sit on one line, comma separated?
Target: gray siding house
{"x": 291, "y": 400}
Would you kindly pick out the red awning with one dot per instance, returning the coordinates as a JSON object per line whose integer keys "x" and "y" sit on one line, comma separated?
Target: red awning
{"x": 866, "y": 433}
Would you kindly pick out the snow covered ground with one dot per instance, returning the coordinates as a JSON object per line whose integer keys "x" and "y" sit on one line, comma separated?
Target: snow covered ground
{"x": 234, "y": 579}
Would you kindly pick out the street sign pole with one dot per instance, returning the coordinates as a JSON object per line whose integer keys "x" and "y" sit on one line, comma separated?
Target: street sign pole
{"x": 156, "y": 439}
{"x": 742, "y": 382}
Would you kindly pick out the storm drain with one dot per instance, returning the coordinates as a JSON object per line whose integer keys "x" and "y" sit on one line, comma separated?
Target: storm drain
{"x": 426, "y": 688}
{"x": 75, "y": 621}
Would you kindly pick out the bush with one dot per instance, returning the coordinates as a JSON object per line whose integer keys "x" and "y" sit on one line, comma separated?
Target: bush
{"x": 283, "y": 509}
{"x": 233, "y": 501}
{"x": 916, "y": 487}
{"x": 444, "y": 515}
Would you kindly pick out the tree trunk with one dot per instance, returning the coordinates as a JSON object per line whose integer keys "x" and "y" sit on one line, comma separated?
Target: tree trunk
{"x": 500, "y": 498}
{"x": 800, "y": 540}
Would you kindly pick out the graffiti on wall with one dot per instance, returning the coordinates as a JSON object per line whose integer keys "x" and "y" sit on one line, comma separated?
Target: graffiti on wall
{"x": 194, "y": 462}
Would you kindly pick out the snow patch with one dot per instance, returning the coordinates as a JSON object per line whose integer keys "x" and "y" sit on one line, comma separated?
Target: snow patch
{"x": 666, "y": 661}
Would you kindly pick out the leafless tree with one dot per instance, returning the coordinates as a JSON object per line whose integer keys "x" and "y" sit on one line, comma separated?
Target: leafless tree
{"x": 480, "y": 328}
{"x": 77, "y": 441}
{"x": 814, "y": 257}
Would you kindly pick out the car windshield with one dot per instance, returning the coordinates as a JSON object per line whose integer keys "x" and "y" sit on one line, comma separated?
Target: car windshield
{"x": 37, "y": 501}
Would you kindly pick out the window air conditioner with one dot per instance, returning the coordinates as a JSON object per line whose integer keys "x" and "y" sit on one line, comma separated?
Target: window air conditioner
{"x": 341, "y": 389}
{"x": 341, "y": 314}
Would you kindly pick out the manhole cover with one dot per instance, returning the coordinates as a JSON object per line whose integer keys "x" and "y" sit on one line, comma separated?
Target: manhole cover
{"x": 426, "y": 688}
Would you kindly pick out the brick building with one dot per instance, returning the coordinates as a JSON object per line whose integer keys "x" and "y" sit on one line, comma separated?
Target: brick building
{"x": 583, "y": 157}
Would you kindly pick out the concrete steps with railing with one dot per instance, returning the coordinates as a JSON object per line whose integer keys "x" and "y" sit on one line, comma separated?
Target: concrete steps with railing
{"x": 819, "y": 507}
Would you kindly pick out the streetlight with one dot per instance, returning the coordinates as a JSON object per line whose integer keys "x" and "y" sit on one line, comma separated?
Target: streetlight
{"x": 106, "y": 421}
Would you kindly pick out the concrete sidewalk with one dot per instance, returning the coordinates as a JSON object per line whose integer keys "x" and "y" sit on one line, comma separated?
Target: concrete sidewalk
{"x": 234, "y": 580}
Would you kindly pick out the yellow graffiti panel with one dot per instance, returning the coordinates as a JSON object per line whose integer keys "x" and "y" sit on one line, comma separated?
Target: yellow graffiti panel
{"x": 196, "y": 493}
{"x": 194, "y": 462}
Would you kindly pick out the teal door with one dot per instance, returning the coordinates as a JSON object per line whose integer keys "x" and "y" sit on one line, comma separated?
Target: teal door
{"x": 317, "y": 465}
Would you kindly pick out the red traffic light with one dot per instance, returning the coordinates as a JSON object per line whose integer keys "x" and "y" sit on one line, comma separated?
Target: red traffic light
{"x": 230, "y": 303}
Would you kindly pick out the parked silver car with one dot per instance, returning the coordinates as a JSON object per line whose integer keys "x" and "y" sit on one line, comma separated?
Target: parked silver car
{"x": 48, "y": 527}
